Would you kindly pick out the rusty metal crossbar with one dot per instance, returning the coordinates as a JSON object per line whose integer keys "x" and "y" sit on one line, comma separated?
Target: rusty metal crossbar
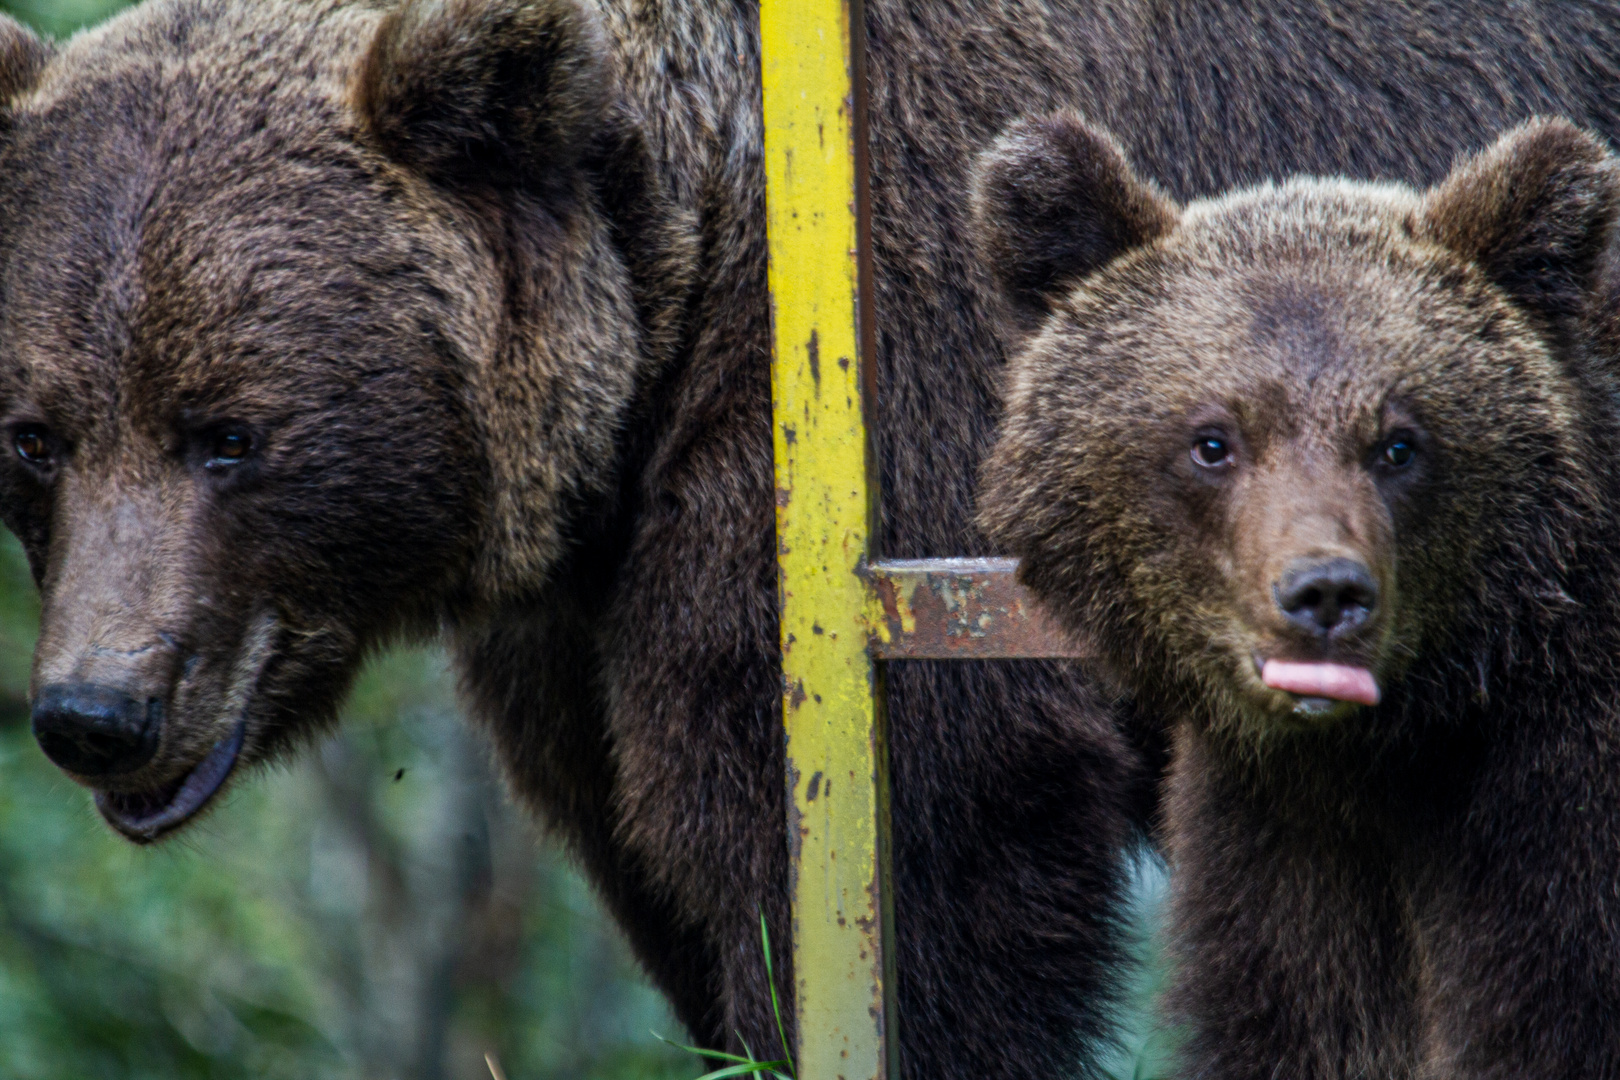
{"x": 844, "y": 611}
{"x": 960, "y": 609}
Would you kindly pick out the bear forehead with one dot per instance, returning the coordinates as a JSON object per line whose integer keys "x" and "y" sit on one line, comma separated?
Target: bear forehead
{"x": 171, "y": 54}
{"x": 1313, "y": 293}
{"x": 175, "y": 103}
{"x": 230, "y": 108}
{"x": 179, "y": 229}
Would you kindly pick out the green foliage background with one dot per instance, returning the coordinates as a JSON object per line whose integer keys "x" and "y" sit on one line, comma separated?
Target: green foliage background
{"x": 59, "y": 18}
{"x": 375, "y": 910}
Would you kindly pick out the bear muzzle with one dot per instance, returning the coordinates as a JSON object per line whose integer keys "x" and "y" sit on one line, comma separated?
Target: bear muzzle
{"x": 147, "y": 813}
{"x": 154, "y": 734}
{"x": 1316, "y": 588}
{"x": 103, "y": 735}
{"x": 1328, "y": 607}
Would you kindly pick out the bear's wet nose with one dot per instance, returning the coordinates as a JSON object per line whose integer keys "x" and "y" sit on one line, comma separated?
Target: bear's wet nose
{"x": 1327, "y": 596}
{"x": 96, "y": 730}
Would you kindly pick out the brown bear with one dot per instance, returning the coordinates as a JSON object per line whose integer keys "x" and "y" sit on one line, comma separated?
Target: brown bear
{"x": 323, "y": 322}
{"x": 1324, "y": 470}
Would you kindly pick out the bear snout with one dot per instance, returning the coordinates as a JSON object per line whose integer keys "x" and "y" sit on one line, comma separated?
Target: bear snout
{"x": 1327, "y": 598}
{"x": 96, "y": 731}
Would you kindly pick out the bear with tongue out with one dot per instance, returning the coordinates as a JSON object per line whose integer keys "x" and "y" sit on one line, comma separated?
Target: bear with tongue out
{"x": 1325, "y": 472}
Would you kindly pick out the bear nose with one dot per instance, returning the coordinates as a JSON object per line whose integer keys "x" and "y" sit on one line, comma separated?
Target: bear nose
{"x": 96, "y": 730}
{"x": 1327, "y": 596}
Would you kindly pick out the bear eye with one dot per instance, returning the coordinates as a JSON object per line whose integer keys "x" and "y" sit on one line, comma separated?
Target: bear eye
{"x": 32, "y": 445}
{"x": 1211, "y": 451}
{"x": 1399, "y": 452}
{"x": 227, "y": 448}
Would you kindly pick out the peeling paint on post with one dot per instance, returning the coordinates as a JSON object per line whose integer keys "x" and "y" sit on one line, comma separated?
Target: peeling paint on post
{"x": 832, "y": 692}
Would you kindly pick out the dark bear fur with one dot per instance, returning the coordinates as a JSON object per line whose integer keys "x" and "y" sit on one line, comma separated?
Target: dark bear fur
{"x": 518, "y": 386}
{"x": 1427, "y": 887}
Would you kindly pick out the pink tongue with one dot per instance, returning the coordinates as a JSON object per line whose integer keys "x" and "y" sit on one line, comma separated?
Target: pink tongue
{"x": 1321, "y": 680}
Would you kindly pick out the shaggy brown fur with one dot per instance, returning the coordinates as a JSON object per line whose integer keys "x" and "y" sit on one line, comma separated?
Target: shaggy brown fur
{"x": 1317, "y": 371}
{"x": 481, "y": 284}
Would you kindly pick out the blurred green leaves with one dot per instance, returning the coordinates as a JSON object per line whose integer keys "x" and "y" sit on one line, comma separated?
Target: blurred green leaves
{"x": 59, "y": 18}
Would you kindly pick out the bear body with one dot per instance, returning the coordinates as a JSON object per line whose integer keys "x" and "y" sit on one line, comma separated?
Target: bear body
{"x": 1324, "y": 471}
{"x": 326, "y": 322}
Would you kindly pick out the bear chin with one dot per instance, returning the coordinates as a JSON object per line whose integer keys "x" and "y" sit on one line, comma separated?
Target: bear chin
{"x": 1261, "y": 711}
{"x": 145, "y": 816}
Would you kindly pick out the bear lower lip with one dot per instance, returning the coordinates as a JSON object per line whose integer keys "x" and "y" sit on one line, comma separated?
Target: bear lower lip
{"x": 147, "y": 815}
{"x": 1334, "y": 682}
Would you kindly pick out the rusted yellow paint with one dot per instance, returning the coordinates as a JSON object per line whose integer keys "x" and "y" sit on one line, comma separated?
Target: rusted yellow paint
{"x": 881, "y": 622}
{"x": 832, "y": 702}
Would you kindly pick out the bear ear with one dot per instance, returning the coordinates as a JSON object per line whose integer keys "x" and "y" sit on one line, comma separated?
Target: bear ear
{"x": 508, "y": 91}
{"x": 23, "y": 55}
{"x": 1054, "y": 199}
{"x": 1533, "y": 211}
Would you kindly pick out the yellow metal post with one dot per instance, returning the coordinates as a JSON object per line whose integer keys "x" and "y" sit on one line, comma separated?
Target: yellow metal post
{"x": 843, "y": 609}
{"x": 832, "y": 703}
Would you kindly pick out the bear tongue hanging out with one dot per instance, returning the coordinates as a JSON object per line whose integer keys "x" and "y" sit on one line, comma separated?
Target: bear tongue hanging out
{"x": 1322, "y": 470}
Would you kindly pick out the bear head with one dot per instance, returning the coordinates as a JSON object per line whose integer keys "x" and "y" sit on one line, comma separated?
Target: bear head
{"x": 1287, "y": 453}
{"x": 316, "y": 326}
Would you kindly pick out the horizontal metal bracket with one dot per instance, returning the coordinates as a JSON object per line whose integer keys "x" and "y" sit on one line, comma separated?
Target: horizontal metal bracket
{"x": 960, "y": 609}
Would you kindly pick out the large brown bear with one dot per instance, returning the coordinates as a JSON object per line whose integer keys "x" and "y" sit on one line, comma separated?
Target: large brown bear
{"x": 322, "y": 322}
{"x": 1326, "y": 471}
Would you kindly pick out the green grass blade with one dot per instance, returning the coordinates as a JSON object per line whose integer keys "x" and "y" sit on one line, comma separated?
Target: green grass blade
{"x": 776, "y": 1004}
{"x": 745, "y": 1069}
{"x": 748, "y": 1066}
{"x": 718, "y": 1055}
